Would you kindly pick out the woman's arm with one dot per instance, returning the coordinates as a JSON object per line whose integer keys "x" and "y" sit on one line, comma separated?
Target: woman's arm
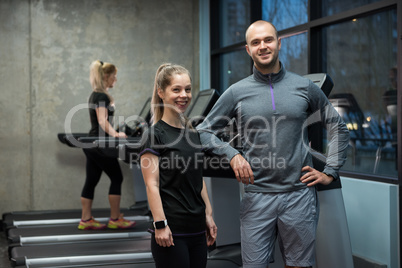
{"x": 212, "y": 230}
{"x": 150, "y": 172}
{"x": 102, "y": 114}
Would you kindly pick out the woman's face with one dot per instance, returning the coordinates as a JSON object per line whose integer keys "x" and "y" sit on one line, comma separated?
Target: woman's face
{"x": 110, "y": 80}
{"x": 177, "y": 96}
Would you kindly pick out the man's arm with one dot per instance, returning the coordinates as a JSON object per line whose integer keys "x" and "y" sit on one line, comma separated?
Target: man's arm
{"x": 220, "y": 115}
{"x": 338, "y": 140}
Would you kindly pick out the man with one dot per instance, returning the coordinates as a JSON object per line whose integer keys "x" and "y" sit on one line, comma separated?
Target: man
{"x": 271, "y": 108}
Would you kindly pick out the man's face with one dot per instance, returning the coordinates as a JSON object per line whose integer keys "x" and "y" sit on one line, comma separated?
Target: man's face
{"x": 263, "y": 46}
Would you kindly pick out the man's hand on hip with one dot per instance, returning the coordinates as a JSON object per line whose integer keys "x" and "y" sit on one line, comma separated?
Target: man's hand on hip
{"x": 313, "y": 177}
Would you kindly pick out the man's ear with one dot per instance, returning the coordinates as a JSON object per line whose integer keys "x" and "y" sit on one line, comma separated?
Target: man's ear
{"x": 248, "y": 50}
{"x": 279, "y": 43}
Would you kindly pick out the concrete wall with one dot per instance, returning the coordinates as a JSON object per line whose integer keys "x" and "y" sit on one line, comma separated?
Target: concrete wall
{"x": 46, "y": 48}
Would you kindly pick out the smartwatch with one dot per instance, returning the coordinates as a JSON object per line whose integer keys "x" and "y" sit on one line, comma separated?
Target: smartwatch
{"x": 160, "y": 224}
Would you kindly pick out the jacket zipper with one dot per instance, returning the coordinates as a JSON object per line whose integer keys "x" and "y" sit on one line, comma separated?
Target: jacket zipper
{"x": 272, "y": 93}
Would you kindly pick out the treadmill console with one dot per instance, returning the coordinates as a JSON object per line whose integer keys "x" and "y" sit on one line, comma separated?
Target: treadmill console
{"x": 323, "y": 81}
{"x": 136, "y": 128}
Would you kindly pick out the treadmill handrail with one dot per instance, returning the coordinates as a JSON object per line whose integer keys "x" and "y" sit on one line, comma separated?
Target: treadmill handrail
{"x": 75, "y": 220}
{"x": 88, "y": 258}
{"x": 80, "y": 237}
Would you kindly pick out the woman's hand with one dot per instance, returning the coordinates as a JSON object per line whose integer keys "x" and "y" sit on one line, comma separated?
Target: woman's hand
{"x": 102, "y": 115}
{"x": 120, "y": 135}
{"x": 164, "y": 237}
{"x": 212, "y": 230}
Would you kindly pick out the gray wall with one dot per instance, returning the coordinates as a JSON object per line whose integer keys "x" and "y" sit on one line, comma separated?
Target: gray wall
{"x": 46, "y": 48}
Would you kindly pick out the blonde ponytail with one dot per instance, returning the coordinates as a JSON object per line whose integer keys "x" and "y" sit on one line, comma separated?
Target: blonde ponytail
{"x": 97, "y": 72}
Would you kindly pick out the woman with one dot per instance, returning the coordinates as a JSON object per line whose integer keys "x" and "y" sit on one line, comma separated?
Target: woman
{"x": 183, "y": 226}
{"x": 101, "y": 109}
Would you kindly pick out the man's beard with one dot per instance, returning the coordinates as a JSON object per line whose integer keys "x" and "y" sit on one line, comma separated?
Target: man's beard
{"x": 268, "y": 66}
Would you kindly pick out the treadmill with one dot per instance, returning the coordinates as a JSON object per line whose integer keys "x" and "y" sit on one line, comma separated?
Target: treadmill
{"x": 30, "y": 233}
{"x": 40, "y": 226}
{"x": 333, "y": 247}
{"x": 134, "y": 127}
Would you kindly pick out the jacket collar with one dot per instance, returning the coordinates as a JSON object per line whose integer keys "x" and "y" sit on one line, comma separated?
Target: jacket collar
{"x": 272, "y": 77}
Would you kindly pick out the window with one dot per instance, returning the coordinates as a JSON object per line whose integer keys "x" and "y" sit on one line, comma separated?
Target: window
{"x": 331, "y": 7}
{"x": 234, "y": 20}
{"x": 363, "y": 67}
{"x": 285, "y": 13}
{"x": 233, "y": 68}
{"x": 293, "y": 53}
{"x": 229, "y": 59}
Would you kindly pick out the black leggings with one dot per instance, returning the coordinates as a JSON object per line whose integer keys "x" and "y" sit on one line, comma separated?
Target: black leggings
{"x": 187, "y": 252}
{"x": 96, "y": 163}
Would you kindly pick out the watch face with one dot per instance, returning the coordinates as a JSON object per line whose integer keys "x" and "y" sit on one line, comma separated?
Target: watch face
{"x": 160, "y": 224}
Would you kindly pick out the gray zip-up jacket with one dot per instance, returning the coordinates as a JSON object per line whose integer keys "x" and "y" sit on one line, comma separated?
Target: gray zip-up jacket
{"x": 272, "y": 113}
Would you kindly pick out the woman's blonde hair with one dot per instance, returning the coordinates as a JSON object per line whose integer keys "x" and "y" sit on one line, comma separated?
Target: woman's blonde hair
{"x": 97, "y": 72}
{"x": 163, "y": 79}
